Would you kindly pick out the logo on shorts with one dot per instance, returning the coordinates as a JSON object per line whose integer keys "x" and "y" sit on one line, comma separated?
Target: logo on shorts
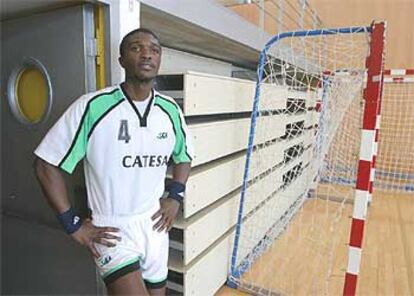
{"x": 105, "y": 260}
{"x": 162, "y": 136}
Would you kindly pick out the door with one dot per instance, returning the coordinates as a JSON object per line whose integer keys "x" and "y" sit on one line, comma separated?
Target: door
{"x": 56, "y": 48}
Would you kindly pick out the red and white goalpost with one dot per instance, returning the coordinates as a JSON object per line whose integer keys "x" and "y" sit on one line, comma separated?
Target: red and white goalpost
{"x": 368, "y": 154}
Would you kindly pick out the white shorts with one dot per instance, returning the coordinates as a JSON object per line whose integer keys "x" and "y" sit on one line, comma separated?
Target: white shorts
{"x": 140, "y": 247}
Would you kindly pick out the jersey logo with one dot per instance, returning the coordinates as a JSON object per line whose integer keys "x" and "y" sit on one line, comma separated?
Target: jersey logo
{"x": 123, "y": 134}
{"x": 144, "y": 161}
{"x": 105, "y": 260}
{"x": 162, "y": 136}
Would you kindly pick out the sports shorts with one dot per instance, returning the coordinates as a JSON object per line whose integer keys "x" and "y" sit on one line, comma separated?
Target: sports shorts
{"x": 140, "y": 248}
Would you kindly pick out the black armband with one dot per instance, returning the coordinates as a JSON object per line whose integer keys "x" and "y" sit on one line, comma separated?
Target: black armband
{"x": 70, "y": 221}
{"x": 176, "y": 190}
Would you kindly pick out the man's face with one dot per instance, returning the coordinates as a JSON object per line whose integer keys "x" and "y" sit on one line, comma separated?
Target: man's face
{"x": 141, "y": 57}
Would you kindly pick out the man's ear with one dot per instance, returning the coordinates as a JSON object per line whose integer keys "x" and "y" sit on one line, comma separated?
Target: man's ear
{"x": 121, "y": 61}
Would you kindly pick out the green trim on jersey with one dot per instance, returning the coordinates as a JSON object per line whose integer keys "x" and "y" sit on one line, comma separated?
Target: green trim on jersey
{"x": 96, "y": 109}
{"x": 180, "y": 153}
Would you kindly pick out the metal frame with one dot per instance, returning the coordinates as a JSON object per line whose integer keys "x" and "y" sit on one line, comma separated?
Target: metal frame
{"x": 377, "y": 47}
{"x": 399, "y": 76}
{"x": 28, "y": 62}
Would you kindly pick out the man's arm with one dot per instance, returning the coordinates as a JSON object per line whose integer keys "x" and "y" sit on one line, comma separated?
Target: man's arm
{"x": 53, "y": 185}
{"x": 181, "y": 172}
{"x": 170, "y": 206}
{"x": 54, "y": 188}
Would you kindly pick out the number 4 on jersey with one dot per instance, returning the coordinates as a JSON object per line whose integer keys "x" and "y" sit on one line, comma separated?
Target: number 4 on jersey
{"x": 123, "y": 134}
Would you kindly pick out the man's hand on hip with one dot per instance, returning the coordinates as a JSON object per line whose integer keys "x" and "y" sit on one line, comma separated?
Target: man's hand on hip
{"x": 89, "y": 234}
{"x": 166, "y": 214}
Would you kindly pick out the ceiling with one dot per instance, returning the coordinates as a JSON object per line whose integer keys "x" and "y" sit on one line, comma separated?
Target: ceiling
{"x": 180, "y": 34}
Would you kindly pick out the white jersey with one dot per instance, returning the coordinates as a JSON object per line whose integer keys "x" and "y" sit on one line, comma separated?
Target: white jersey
{"x": 125, "y": 153}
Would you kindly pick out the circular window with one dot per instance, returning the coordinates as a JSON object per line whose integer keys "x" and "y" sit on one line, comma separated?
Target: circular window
{"x": 30, "y": 92}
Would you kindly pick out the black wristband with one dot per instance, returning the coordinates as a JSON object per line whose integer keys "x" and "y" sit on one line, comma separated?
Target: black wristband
{"x": 70, "y": 221}
{"x": 176, "y": 190}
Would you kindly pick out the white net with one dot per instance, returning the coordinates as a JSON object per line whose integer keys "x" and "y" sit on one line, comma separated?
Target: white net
{"x": 395, "y": 162}
{"x": 299, "y": 190}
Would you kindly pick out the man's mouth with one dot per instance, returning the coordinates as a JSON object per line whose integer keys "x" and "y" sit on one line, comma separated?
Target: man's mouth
{"x": 146, "y": 66}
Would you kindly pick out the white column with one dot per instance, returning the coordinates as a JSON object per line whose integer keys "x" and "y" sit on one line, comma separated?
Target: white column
{"x": 124, "y": 16}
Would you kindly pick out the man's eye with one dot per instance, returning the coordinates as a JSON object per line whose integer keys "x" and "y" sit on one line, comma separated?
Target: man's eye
{"x": 135, "y": 48}
{"x": 156, "y": 50}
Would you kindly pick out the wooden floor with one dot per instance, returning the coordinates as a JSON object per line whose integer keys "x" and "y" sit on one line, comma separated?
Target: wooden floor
{"x": 298, "y": 263}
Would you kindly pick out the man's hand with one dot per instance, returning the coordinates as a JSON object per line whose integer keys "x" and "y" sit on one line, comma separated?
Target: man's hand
{"x": 89, "y": 234}
{"x": 166, "y": 214}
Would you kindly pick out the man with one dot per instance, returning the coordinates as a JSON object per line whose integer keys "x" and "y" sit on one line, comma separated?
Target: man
{"x": 126, "y": 136}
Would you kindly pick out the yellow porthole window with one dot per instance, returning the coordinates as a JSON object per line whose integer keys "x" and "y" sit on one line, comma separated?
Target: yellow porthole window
{"x": 30, "y": 92}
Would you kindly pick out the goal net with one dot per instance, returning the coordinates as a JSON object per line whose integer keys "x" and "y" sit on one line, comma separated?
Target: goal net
{"x": 395, "y": 165}
{"x": 298, "y": 189}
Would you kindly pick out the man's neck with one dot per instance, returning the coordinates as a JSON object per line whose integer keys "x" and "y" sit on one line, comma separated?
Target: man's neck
{"x": 137, "y": 90}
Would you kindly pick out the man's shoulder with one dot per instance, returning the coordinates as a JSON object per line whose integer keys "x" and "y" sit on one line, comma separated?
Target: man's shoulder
{"x": 164, "y": 98}
{"x": 101, "y": 92}
{"x": 90, "y": 99}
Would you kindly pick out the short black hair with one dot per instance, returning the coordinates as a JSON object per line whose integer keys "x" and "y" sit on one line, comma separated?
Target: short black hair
{"x": 139, "y": 30}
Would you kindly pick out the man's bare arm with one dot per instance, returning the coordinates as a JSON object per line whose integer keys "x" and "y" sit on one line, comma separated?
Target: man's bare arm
{"x": 181, "y": 172}
{"x": 54, "y": 188}
{"x": 169, "y": 206}
{"x": 53, "y": 185}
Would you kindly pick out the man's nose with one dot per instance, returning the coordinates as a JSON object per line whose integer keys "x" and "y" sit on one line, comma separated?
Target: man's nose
{"x": 146, "y": 53}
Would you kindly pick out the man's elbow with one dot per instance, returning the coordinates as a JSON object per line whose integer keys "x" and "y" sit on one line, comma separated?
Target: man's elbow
{"x": 38, "y": 166}
{"x": 41, "y": 167}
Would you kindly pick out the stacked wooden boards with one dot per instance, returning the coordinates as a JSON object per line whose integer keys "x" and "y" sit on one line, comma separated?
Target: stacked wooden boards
{"x": 217, "y": 110}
